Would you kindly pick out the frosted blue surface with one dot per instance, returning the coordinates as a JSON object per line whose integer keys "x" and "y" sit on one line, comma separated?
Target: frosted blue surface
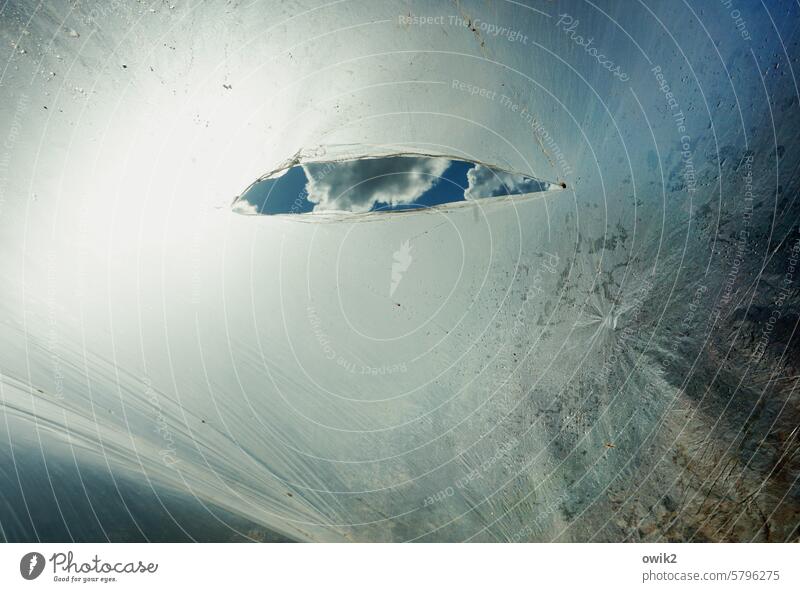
{"x": 613, "y": 361}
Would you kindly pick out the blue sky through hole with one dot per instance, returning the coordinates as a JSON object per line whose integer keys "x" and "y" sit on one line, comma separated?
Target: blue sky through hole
{"x": 381, "y": 184}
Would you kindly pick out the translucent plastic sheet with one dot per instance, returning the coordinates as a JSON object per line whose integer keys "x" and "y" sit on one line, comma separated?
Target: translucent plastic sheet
{"x": 615, "y": 361}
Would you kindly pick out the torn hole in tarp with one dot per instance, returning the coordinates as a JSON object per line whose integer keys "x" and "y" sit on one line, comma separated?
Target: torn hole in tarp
{"x": 381, "y": 184}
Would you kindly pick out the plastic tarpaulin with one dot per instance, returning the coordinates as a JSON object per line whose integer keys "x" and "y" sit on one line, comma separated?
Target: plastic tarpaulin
{"x": 614, "y": 361}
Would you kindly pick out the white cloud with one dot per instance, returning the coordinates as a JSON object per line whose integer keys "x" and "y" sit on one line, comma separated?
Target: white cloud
{"x": 486, "y": 182}
{"x": 242, "y": 206}
{"x": 357, "y": 185}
